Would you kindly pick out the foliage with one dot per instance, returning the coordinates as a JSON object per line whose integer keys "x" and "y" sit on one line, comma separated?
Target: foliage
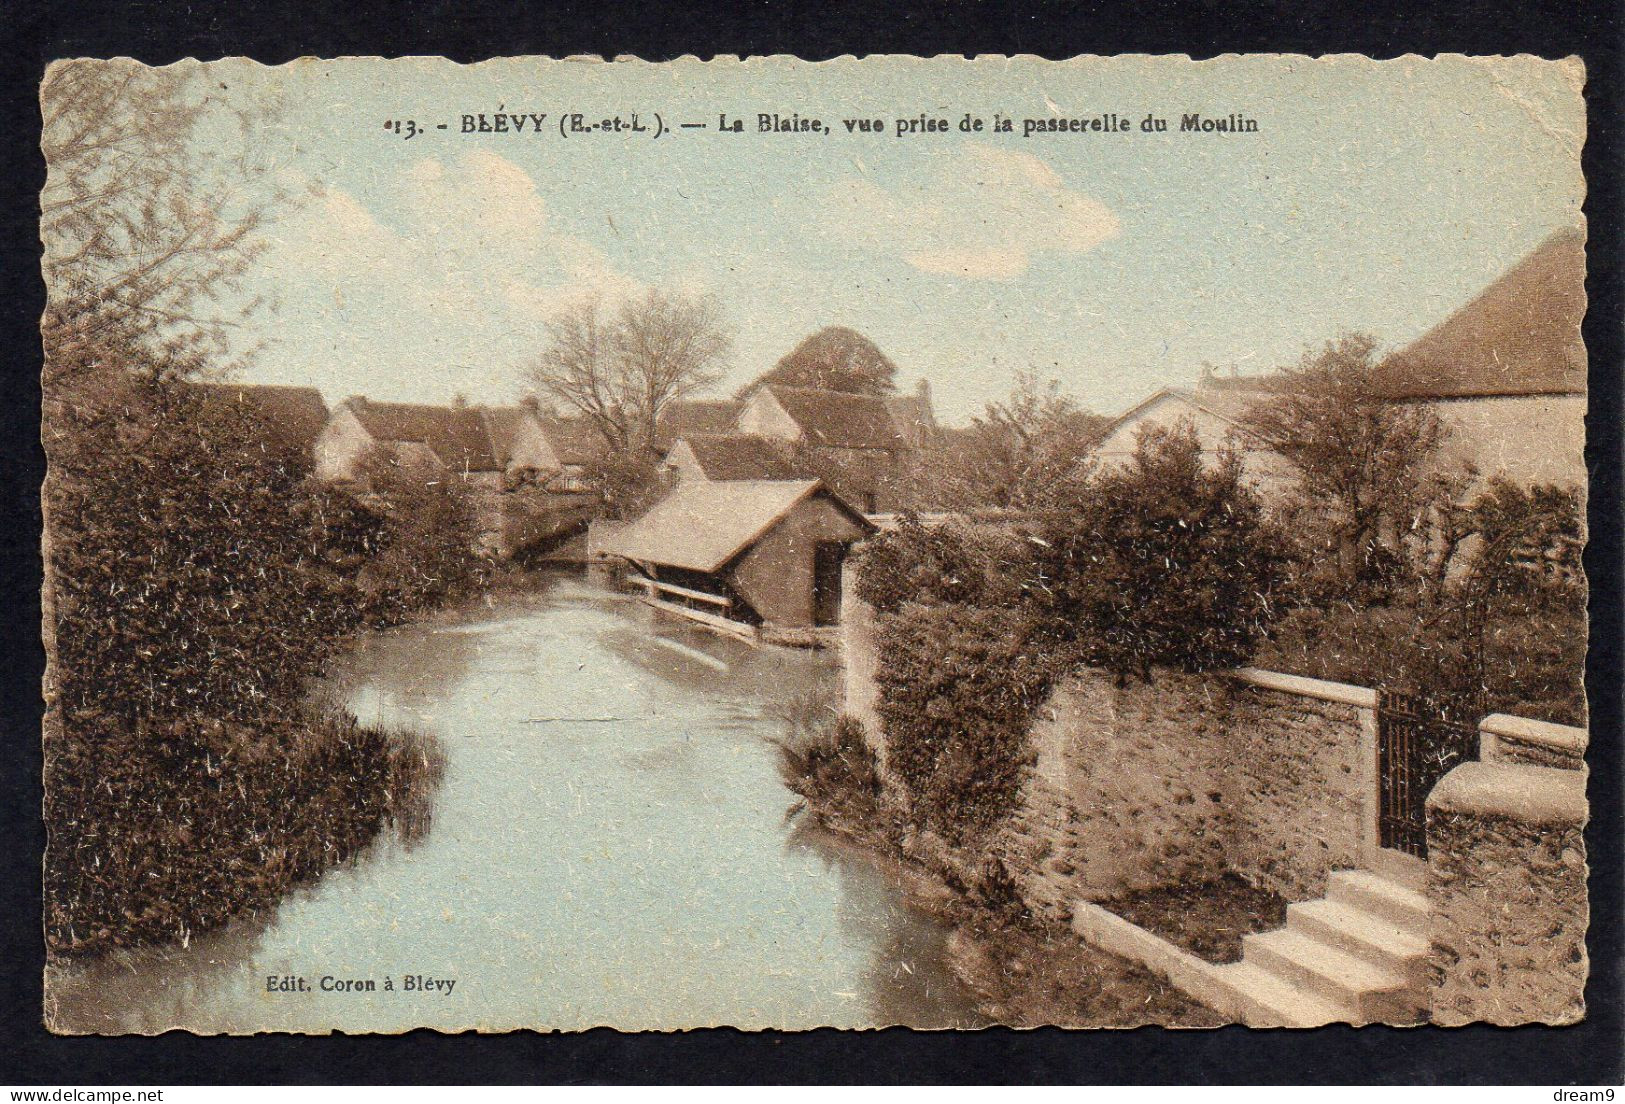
{"x": 1531, "y": 664}
{"x": 1501, "y": 628}
{"x": 958, "y": 689}
{"x": 168, "y": 829}
{"x": 628, "y": 482}
{"x": 189, "y": 569}
{"x": 195, "y": 582}
{"x": 830, "y": 761}
{"x": 1164, "y": 561}
{"x": 423, "y": 552}
{"x": 1361, "y": 459}
{"x": 620, "y": 368}
{"x": 1022, "y": 453}
{"x": 956, "y": 562}
{"x": 833, "y": 359}
{"x": 1530, "y": 539}
{"x": 147, "y": 235}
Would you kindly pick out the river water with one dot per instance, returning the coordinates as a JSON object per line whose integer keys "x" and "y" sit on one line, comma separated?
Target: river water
{"x": 611, "y": 845}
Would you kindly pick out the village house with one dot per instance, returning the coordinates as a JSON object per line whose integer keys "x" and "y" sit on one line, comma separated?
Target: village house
{"x": 862, "y": 446}
{"x": 418, "y": 438}
{"x": 759, "y": 559}
{"x": 498, "y": 453}
{"x": 1506, "y": 373}
{"x": 687, "y": 417}
{"x": 731, "y": 457}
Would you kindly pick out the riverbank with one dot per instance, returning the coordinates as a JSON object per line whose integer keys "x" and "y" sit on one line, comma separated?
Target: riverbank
{"x": 160, "y": 834}
{"x": 1023, "y": 970}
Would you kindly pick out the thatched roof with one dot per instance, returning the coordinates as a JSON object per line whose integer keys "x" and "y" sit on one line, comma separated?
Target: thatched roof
{"x": 727, "y": 457}
{"x": 702, "y": 526}
{"x": 1519, "y": 336}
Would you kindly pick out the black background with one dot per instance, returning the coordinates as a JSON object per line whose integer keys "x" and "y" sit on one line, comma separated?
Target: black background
{"x": 276, "y": 30}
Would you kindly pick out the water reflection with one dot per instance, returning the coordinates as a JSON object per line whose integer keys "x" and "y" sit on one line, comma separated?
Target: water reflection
{"x": 610, "y": 845}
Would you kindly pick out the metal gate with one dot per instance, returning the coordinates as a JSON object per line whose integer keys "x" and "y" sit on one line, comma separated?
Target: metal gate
{"x": 1418, "y": 743}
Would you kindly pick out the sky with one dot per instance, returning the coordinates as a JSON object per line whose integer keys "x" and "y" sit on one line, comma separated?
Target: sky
{"x": 1373, "y": 196}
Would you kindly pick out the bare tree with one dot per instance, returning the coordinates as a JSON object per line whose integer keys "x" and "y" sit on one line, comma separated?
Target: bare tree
{"x": 1364, "y": 457}
{"x": 620, "y": 370}
{"x": 146, "y": 235}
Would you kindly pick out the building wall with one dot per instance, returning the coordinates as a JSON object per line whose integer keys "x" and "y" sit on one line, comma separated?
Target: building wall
{"x": 776, "y": 575}
{"x": 681, "y": 462}
{"x": 531, "y": 449}
{"x": 1529, "y": 439}
{"x": 341, "y": 447}
{"x": 762, "y": 416}
{"x": 1267, "y": 470}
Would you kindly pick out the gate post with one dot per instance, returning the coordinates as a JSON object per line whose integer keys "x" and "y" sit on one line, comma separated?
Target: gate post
{"x": 1507, "y": 895}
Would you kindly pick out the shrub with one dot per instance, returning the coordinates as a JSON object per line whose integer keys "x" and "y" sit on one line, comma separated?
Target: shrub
{"x": 955, "y": 562}
{"x": 190, "y": 570}
{"x": 1164, "y": 561}
{"x": 424, "y": 552}
{"x": 958, "y": 688}
{"x": 197, "y": 583}
{"x": 832, "y": 763}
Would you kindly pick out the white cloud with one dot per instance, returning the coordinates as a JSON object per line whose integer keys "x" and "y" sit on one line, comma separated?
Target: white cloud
{"x": 452, "y": 274}
{"x": 983, "y": 220}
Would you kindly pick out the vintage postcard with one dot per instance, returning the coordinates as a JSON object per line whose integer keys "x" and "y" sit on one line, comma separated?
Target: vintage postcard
{"x": 556, "y": 543}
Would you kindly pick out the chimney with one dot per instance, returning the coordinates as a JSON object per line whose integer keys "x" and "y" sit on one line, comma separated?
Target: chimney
{"x": 923, "y": 390}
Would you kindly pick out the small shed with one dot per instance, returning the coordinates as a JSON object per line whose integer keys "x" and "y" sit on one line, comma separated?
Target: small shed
{"x": 757, "y": 558}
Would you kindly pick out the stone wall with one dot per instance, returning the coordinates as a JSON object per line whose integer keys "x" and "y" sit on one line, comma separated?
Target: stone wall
{"x": 1126, "y": 792}
{"x": 1189, "y": 777}
{"x": 1504, "y": 739}
{"x": 1300, "y": 765}
{"x": 1507, "y": 886}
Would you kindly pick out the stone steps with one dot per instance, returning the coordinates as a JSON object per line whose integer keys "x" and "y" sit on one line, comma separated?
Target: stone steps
{"x": 1364, "y": 935}
{"x": 1357, "y": 955}
{"x": 1373, "y": 893}
{"x": 1264, "y": 999}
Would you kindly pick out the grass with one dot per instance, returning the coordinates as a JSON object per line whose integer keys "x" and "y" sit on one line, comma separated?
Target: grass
{"x": 1208, "y": 919}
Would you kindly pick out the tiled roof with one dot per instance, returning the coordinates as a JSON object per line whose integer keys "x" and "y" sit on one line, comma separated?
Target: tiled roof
{"x": 686, "y": 417}
{"x": 457, "y": 435}
{"x": 1519, "y": 336}
{"x": 573, "y": 440}
{"x": 731, "y": 457}
{"x": 700, "y": 526}
{"x": 838, "y": 419}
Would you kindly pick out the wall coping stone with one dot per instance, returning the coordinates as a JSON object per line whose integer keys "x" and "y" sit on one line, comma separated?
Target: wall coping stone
{"x": 1340, "y": 692}
{"x": 1563, "y": 738}
{"x": 1517, "y": 791}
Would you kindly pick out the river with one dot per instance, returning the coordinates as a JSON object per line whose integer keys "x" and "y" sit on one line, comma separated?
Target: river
{"x": 612, "y": 844}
